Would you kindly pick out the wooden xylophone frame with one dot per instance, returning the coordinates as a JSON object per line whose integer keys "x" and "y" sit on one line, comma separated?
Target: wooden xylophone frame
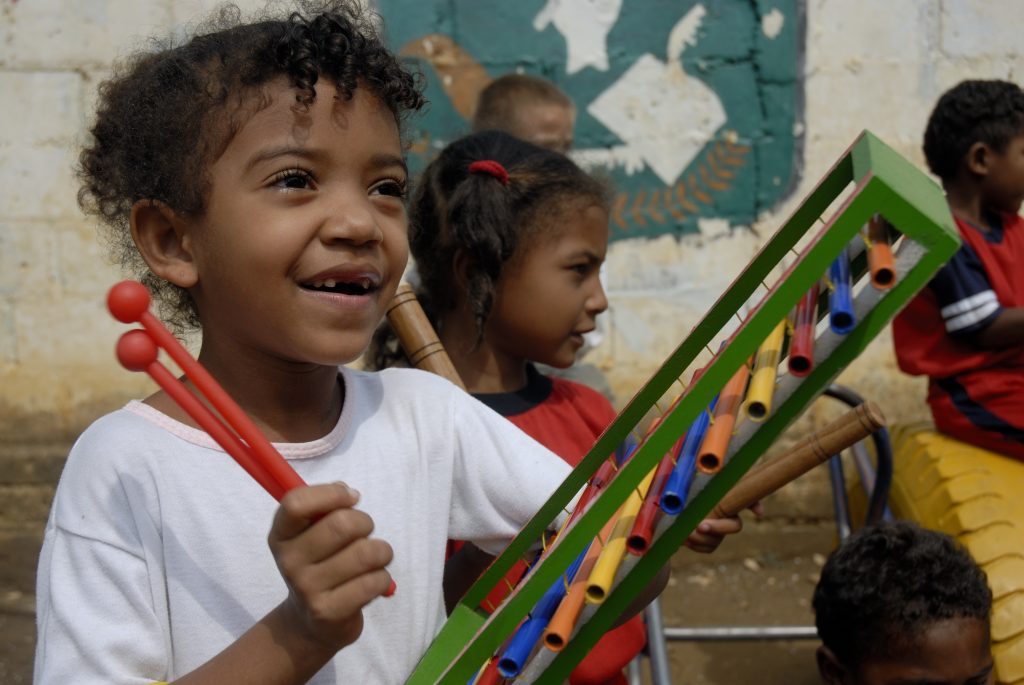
{"x": 884, "y": 183}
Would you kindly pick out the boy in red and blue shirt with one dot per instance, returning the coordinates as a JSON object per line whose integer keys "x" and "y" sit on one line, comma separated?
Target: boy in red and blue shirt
{"x": 965, "y": 331}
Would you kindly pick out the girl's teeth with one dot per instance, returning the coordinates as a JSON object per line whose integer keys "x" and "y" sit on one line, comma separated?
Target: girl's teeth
{"x": 330, "y": 283}
{"x": 318, "y": 284}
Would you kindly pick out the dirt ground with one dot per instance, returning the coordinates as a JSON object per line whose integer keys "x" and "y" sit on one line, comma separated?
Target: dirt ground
{"x": 765, "y": 576}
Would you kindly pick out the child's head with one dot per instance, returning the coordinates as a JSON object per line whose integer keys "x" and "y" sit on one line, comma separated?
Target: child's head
{"x": 255, "y": 167}
{"x": 518, "y": 255}
{"x": 897, "y": 603}
{"x": 976, "y": 134}
{"x": 528, "y": 107}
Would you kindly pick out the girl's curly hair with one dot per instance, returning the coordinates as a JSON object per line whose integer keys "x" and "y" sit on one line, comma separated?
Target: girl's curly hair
{"x": 166, "y": 114}
{"x": 454, "y": 210}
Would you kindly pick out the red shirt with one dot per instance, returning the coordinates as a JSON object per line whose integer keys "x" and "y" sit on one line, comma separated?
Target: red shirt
{"x": 975, "y": 395}
{"x": 986, "y": 275}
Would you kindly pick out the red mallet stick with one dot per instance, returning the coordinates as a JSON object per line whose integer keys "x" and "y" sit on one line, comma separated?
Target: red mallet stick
{"x": 128, "y": 301}
{"x": 137, "y": 352}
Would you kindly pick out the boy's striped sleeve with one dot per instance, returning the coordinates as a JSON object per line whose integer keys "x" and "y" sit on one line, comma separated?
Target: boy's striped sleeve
{"x": 964, "y": 294}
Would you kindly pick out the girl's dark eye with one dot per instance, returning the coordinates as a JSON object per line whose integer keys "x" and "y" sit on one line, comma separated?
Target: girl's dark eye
{"x": 293, "y": 179}
{"x": 392, "y": 188}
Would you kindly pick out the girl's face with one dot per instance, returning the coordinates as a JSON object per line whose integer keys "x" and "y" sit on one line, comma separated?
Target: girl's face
{"x": 303, "y": 240}
{"x": 549, "y": 296}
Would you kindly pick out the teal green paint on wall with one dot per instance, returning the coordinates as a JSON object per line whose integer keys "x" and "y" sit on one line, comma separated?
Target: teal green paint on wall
{"x": 727, "y": 145}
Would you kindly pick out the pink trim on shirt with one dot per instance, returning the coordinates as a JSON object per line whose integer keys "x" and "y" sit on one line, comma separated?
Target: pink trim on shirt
{"x": 289, "y": 450}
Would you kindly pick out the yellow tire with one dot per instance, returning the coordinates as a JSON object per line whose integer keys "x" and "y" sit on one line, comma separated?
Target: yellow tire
{"x": 977, "y": 497}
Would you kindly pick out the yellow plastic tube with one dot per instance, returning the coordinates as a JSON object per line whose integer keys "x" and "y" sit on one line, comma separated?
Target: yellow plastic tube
{"x": 607, "y": 565}
{"x": 762, "y": 381}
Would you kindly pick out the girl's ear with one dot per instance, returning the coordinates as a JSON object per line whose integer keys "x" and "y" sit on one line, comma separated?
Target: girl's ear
{"x": 462, "y": 268}
{"x": 164, "y": 241}
{"x": 978, "y": 158}
{"x": 832, "y": 672}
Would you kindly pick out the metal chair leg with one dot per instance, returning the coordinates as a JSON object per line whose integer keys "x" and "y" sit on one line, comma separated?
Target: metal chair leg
{"x": 661, "y": 673}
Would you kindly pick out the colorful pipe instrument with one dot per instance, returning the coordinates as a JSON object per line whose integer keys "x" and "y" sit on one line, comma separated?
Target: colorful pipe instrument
{"x": 868, "y": 179}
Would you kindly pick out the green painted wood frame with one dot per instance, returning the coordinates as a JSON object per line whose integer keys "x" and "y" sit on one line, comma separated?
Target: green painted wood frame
{"x": 883, "y": 182}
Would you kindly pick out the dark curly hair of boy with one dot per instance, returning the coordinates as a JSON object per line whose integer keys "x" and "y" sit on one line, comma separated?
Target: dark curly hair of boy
{"x": 166, "y": 114}
{"x": 990, "y": 112}
{"x": 456, "y": 212}
{"x": 885, "y": 584}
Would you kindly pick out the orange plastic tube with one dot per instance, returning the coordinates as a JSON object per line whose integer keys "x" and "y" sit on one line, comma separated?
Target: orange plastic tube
{"x": 716, "y": 440}
{"x": 881, "y": 264}
{"x": 562, "y": 624}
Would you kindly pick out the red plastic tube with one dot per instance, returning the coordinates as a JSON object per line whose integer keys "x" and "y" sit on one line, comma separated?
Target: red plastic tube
{"x": 640, "y": 536}
{"x": 801, "y": 347}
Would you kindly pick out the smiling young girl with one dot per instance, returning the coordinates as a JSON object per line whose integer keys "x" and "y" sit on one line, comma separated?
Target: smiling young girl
{"x": 508, "y": 240}
{"x": 254, "y": 179}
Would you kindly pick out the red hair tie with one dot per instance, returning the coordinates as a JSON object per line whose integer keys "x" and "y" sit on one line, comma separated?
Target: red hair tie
{"x": 491, "y": 167}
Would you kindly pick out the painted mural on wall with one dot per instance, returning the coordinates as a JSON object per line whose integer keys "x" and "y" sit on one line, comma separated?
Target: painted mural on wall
{"x": 693, "y": 107}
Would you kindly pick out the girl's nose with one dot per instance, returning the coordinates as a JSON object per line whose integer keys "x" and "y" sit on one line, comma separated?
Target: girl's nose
{"x": 351, "y": 220}
{"x": 597, "y": 302}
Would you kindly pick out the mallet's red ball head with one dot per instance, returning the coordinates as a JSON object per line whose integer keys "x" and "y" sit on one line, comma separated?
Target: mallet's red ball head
{"x": 136, "y": 350}
{"x": 128, "y": 301}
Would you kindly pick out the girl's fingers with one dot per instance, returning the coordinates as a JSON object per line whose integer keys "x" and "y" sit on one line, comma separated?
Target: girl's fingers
{"x": 710, "y": 533}
{"x": 352, "y": 565}
{"x": 333, "y": 532}
{"x": 302, "y": 506}
{"x": 341, "y": 604}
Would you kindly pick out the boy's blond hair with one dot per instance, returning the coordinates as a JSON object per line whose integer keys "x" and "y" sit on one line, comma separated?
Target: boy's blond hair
{"x": 498, "y": 104}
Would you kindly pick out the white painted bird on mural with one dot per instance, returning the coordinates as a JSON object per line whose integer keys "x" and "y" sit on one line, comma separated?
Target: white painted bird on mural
{"x": 585, "y": 25}
{"x": 664, "y": 116}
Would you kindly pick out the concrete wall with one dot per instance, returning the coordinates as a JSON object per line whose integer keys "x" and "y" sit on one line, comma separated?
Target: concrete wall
{"x": 872, "y": 64}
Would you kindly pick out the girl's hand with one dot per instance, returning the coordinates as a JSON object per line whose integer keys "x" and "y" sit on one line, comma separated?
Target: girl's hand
{"x": 710, "y": 532}
{"x": 331, "y": 566}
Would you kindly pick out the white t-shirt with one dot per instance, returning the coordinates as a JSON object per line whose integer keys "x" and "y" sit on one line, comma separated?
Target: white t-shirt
{"x": 155, "y": 555}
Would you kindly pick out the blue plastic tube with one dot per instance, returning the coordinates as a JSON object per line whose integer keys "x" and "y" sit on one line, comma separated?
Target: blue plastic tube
{"x": 840, "y": 299}
{"x": 677, "y": 486}
{"x": 526, "y": 636}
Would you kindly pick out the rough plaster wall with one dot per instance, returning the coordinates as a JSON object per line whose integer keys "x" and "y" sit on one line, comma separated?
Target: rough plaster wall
{"x": 870, "y": 64}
